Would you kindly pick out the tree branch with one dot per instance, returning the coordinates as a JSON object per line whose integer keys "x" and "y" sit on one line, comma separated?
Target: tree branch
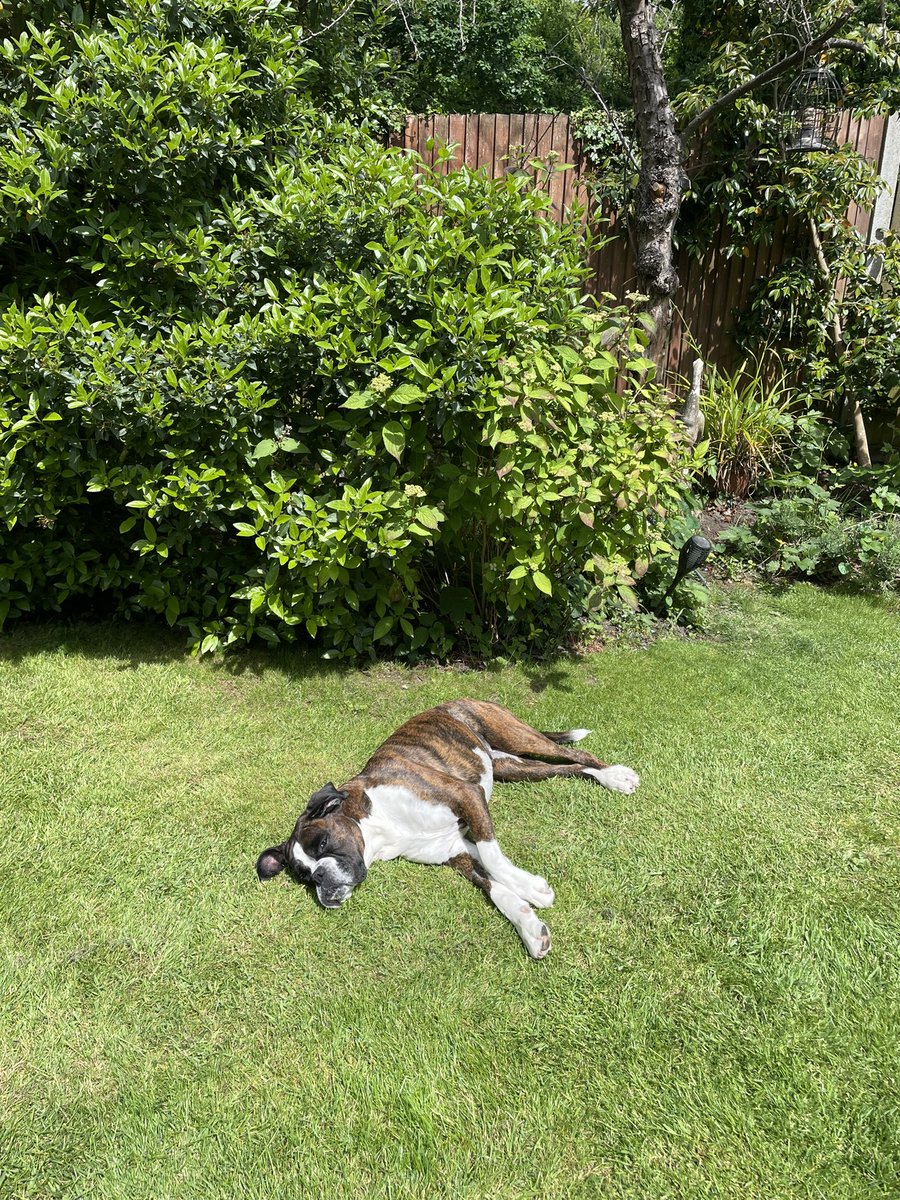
{"x": 585, "y": 79}
{"x": 318, "y": 33}
{"x": 818, "y": 43}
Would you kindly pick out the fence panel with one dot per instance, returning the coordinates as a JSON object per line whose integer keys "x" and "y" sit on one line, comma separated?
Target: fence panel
{"x": 713, "y": 287}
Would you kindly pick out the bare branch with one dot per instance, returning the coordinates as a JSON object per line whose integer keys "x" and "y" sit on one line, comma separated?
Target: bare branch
{"x": 585, "y": 79}
{"x": 409, "y": 32}
{"x": 330, "y": 25}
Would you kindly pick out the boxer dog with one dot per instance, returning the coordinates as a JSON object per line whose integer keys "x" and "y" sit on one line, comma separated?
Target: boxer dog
{"x": 423, "y": 795}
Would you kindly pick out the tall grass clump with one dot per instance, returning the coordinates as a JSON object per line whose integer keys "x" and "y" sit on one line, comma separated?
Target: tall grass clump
{"x": 748, "y": 424}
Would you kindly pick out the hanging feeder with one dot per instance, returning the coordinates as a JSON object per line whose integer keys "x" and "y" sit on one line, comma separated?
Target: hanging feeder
{"x": 812, "y": 104}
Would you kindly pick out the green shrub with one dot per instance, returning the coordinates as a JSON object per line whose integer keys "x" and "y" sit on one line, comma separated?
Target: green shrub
{"x": 264, "y": 376}
{"x": 813, "y": 536}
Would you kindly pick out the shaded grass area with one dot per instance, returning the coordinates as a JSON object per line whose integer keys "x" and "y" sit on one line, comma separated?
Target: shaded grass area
{"x": 718, "y": 1016}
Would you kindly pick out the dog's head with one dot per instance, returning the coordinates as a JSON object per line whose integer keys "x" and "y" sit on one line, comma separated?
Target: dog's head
{"x": 325, "y": 849}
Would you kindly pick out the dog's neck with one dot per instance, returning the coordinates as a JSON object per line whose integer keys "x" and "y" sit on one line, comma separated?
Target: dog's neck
{"x": 356, "y": 804}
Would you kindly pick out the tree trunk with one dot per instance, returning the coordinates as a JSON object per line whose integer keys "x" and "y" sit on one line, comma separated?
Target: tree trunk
{"x": 662, "y": 180}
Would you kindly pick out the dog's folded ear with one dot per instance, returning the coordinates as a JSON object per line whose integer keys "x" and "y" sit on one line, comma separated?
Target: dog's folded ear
{"x": 270, "y": 862}
{"x": 324, "y": 801}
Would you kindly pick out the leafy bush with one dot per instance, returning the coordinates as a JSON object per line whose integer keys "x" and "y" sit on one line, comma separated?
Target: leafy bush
{"x": 813, "y": 536}
{"x": 688, "y": 603}
{"x": 262, "y": 375}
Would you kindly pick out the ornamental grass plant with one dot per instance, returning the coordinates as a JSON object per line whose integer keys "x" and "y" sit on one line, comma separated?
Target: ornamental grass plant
{"x": 748, "y": 424}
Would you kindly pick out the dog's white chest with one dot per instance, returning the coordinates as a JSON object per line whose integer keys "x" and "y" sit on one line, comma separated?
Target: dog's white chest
{"x": 400, "y": 825}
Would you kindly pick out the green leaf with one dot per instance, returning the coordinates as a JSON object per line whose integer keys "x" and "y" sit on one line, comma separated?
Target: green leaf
{"x": 359, "y": 400}
{"x": 504, "y": 437}
{"x": 394, "y": 438}
{"x": 384, "y": 626}
{"x": 429, "y": 517}
{"x": 264, "y": 449}
{"x": 406, "y": 393}
{"x": 542, "y": 583}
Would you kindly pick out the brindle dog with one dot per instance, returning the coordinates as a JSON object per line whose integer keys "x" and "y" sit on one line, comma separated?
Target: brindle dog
{"x": 423, "y": 795}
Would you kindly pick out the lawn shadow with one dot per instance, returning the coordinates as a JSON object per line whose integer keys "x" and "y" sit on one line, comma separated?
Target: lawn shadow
{"x": 137, "y": 643}
{"x": 132, "y": 644}
{"x": 544, "y": 675}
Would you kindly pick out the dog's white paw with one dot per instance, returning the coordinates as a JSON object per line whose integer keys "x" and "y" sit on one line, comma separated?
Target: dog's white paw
{"x": 531, "y": 929}
{"x": 535, "y": 935}
{"x": 537, "y": 891}
{"x": 532, "y": 888}
{"x": 617, "y": 778}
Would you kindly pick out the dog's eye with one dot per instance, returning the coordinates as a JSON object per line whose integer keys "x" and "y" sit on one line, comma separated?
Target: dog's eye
{"x": 323, "y": 844}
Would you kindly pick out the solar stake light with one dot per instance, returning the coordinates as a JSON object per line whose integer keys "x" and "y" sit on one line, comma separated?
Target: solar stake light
{"x": 693, "y": 554}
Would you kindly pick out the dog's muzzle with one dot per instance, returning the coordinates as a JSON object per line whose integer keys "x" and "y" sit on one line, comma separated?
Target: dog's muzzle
{"x": 334, "y": 880}
{"x": 332, "y": 899}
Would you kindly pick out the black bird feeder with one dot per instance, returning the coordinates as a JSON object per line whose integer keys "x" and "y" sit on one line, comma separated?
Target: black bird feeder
{"x": 693, "y": 554}
{"x": 812, "y": 104}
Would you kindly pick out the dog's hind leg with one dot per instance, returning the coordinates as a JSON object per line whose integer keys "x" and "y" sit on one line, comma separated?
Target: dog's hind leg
{"x": 508, "y": 768}
{"x": 529, "y": 926}
{"x": 503, "y": 731}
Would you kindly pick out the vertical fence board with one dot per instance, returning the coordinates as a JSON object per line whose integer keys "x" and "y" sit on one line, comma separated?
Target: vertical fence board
{"x": 713, "y": 286}
{"x": 502, "y": 142}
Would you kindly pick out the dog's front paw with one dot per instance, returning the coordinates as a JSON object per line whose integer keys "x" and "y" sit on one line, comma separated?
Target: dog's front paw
{"x": 535, "y": 936}
{"x": 538, "y": 892}
{"x": 532, "y": 888}
{"x": 617, "y": 778}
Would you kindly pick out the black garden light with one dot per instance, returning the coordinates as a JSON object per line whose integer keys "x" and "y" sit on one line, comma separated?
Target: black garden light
{"x": 812, "y": 104}
{"x": 693, "y": 554}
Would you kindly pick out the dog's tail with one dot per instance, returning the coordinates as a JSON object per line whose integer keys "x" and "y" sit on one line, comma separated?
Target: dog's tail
{"x": 571, "y": 735}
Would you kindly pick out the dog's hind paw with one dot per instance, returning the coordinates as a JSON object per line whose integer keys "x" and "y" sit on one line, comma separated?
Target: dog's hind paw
{"x": 617, "y": 778}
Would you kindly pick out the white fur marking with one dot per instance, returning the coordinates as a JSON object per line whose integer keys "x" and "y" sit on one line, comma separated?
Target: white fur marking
{"x": 576, "y": 735}
{"x": 533, "y": 888}
{"x": 487, "y": 778}
{"x": 617, "y": 778}
{"x": 339, "y": 874}
{"x": 302, "y": 858}
{"x": 400, "y": 825}
{"x": 495, "y": 754}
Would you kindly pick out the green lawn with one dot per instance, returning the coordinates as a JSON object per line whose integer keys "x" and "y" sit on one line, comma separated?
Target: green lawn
{"x": 718, "y": 1017}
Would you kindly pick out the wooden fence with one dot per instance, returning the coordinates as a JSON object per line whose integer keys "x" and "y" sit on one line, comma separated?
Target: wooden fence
{"x": 714, "y": 287}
